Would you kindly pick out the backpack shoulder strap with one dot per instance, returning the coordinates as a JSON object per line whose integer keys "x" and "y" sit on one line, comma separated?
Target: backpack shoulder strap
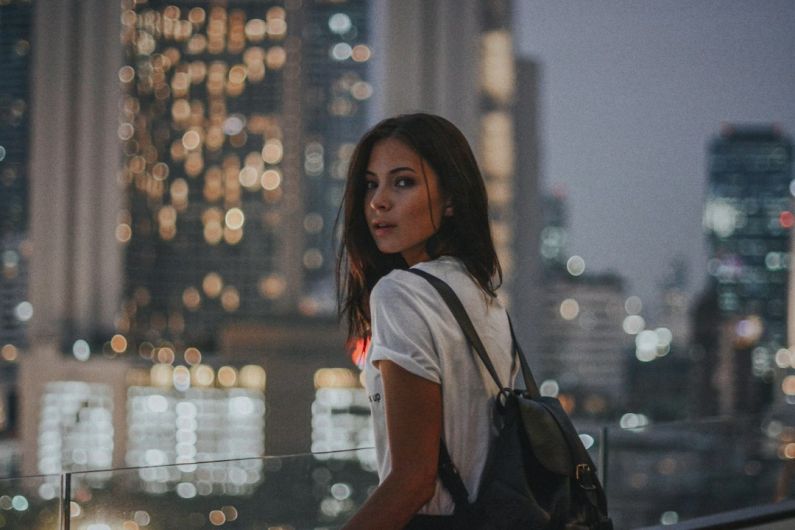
{"x": 460, "y": 314}
{"x": 529, "y": 381}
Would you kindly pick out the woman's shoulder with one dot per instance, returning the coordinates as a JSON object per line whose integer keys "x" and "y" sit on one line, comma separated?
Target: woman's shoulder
{"x": 401, "y": 283}
{"x": 397, "y": 284}
{"x": 446, "y": 267}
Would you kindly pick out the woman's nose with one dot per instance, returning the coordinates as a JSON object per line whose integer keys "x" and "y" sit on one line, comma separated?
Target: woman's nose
{"x": 379, "y": 200}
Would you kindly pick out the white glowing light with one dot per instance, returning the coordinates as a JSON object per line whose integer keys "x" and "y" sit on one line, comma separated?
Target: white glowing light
{"x": 549, "y": 388}
{"x": 722, "y": 217}
{"x": 157, "y": 403}
{"x": 20, "y": 503}
{"x": 633, "y": 324}
{"x": 646, "y": 345}
{"x": 664, "y": 337}
{"x": 47, "y": 491}
{"x": 784, "y": 358}
{"x": 234, "y": 218}
{"x": 181, "y": 377}
{"x": 631, "y": 420}
{"x": 575, "y": 265}
{"x": 569, "y": 309}
{"x": 186, "y": 490}
{"x": 341, "y": 491}
{"x": 23, "y": 311}
{"x": 81, "y": 350}
{"x": 241, "y": 405}
{"x": 186, "y": 408}
{"x": 341, "y": 51}
{"x": 154, "y": 457}
{"x": 234, "y": 125}
{"x": 248, "y": 177}
{"x": 339, "y": 23}
{"x": 633, "y": 305}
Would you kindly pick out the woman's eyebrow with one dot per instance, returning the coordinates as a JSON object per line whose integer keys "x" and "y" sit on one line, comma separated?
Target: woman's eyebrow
{"x": 393, "y": 170}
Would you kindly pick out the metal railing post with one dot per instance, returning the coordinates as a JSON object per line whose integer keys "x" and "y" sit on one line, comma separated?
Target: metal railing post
{"x": 601, "y": 466}
{"x": 66, "y": 498}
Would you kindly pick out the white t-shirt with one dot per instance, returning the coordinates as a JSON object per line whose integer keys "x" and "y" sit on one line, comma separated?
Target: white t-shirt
{"x": 413, "y": 327}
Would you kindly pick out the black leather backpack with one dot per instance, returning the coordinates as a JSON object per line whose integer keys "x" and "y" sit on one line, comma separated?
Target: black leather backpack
{"x": 539, "y": 475}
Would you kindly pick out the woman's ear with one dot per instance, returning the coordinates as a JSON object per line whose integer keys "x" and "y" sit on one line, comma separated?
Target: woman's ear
{"x": 448, "y": 209}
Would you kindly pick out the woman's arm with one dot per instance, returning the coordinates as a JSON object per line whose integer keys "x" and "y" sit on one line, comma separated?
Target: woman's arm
{"x": 414, "y": 426}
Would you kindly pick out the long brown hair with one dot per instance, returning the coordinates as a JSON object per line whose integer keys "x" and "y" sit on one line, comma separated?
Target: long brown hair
{"x": 465, "y": 234}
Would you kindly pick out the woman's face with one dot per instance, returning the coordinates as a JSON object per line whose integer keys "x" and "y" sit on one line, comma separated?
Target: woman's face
{"x": 403, "y": 204}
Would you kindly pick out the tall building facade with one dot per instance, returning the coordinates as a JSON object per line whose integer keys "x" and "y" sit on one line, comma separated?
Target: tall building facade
{"x": 239, "y": 123}
{"x": 583, "y": 346}
{"x": 527, "y": 286}
{"x": 206, "y": 206}
{"x": 15, "y": 309}
{"x": 15, "y": 29}
{"x": 470, "y": 81}
{"x": 748, "y": 219}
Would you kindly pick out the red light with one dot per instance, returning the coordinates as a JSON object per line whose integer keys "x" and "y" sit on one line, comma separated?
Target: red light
{"x": 358, "y": 351}
{"x": 786, "y": 219}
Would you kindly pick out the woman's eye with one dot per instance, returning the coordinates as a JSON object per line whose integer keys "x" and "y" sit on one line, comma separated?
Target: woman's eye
{"x": 404, "y": 182}
{"x": 370, "y": 185}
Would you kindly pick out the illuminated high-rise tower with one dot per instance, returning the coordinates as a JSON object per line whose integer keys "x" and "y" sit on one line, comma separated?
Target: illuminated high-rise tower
{"x": 15, "y": 308}
{"x": 239, "y": 123}
{"x": 15, "y": 27}
{"x": 749, "y": 218}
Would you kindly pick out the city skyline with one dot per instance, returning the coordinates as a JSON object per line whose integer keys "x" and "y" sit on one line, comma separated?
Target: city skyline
{"x": 630, "y": 96}
{"x": 207, "y": 156}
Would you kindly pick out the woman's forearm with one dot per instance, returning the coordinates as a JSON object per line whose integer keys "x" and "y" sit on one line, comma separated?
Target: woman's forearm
{"x": 393, "y": 503}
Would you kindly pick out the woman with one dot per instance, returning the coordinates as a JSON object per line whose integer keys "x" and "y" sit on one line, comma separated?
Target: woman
{"x": 415, "y": 198}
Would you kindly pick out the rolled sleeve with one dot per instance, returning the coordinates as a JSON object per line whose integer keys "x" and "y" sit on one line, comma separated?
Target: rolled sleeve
{"x": 401, "y": 332}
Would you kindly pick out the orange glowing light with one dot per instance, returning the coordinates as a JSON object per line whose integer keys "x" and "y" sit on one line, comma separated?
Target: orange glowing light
{"x": 358, "y": 351}
{"x": 567, "y": 402}
{"x": 786, "y": 219}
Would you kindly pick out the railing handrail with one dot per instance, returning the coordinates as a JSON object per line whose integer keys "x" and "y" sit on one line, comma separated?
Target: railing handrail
{"x": 194, "y": 463}
{"x": 749, "y": 517}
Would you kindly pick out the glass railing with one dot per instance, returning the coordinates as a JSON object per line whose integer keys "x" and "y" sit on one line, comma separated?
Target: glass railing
{"x": 285, "y": 492}
{"x": 673, "y": 472}
{"x": 31, "y": 502}
{"x": 664, "y": 474}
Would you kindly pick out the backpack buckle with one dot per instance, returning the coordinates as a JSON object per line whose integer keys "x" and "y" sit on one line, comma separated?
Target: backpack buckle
{"x": 584, "y": 475}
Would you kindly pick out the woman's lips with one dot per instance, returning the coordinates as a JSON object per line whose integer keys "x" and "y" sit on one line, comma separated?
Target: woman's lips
{"x": 382, "y": 229}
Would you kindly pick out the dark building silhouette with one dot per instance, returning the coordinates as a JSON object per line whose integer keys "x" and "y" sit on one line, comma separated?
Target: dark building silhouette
{"x": 15, "y": 28}
{"x": 704, "y": 351}
{"x": 15, "y": 309}
{"x": 527, "y": 282}
{"x": 582, "y": 347}
{"x": 748, "y": 220}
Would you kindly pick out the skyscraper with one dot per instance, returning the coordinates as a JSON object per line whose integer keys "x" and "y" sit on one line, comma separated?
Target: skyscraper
{"x": 216, "y": 222}
{"x": 15, "y": 28}
{"x": 15, "y": 308}
{"x": 527, "y": 285}
{"x": 239, "y": 123}
{"x": 748, "y": 218}
{"x": 470, "y": 81}
{"x": 582, "y": 346}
